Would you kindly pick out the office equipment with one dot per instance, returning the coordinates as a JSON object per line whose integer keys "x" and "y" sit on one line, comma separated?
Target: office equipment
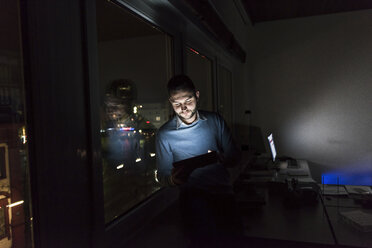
{"x": 184, "y": 167}
{"x": 358, "y": 219}
{"x": 302, "y": 169}
{"x": 358, "y": 190}
{"x": 333, "y": 189}
{"x": 300, "y": 193}
{"x": 291, "y": 163}
{"x": 272, "y": 146}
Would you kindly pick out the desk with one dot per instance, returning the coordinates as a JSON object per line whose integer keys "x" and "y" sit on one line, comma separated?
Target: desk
{"x": 275, "y": 220}
{"x": 306, "y": 223}
{"x": 346, "y": 234}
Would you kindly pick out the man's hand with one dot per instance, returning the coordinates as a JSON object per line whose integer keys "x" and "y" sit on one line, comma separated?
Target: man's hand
{"x": 228, "y": 163}
{"x": 179, "y": 175}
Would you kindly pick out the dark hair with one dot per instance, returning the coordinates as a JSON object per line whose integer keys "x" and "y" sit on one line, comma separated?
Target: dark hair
{"x": 123, "y": 89}
{"x": 180, "y": 82}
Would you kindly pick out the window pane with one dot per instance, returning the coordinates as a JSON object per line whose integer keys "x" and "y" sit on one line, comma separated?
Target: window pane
{"x": 134, "y": 67}
{"x": 199, "y": 69}
{"x": 15, "y": 216}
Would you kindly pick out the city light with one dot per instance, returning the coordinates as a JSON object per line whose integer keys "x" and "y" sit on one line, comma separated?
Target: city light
{"x": 147, "y": 122}
{"x": 194, "y": 51}
{"x": 152, "y": 154}
{"x": 209, "y": 151}
{"x": 135, "y": 109}
{"x": 127, "y": 128}
{"x": 156, "y": 175}
{"x": 140, "y": 131}
{"x": 120, "y": 166}
{"x": 15, "y": 204}
{"x": 23, "y": 136}
{"x": 138, "y": 160}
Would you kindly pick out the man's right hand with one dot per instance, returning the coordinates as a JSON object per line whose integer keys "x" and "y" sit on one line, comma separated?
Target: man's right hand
{"x": 179, "y": 175}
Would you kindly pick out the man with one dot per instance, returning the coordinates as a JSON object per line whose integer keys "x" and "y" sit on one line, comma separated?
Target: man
{"x": 206, "y": 195}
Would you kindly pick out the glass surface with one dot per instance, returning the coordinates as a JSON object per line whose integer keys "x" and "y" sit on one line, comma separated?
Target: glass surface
{"x": 3, "y": 221}
{"x": 15, "y": 214}
{"x": 225, "y": 94}
{"x": 134, "y": 67}
{"x": 199, "y": 69}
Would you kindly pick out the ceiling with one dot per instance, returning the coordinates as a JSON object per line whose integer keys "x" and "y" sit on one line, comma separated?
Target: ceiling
{"x": 271, "y": 10}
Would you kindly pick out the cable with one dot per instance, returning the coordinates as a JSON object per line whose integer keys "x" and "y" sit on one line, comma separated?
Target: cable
{"x": 328, "y": 220}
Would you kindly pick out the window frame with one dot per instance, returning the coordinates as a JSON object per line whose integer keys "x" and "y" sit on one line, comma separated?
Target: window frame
{"x": 121, "y": 229}
{"x": 61, "y": 54}
{"x": 118, "y": 231}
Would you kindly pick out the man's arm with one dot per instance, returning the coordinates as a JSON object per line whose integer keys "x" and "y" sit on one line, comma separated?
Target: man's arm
{"x": 231, "y": 152}
{"x": 164, "y": 161}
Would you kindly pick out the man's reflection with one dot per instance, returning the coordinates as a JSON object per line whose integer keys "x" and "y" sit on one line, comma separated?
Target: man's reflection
{"x": 128, "y": 149}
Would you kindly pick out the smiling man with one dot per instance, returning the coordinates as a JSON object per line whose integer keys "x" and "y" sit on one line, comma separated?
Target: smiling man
{"x": 184, "y": 105}
{"x": 206, "y": 194}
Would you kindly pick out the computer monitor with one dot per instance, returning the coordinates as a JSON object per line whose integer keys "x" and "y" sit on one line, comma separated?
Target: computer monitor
{"x": 272, "y": 146}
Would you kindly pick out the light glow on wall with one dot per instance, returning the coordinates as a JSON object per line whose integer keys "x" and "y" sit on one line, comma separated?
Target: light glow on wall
{"x": 347, "y": 177}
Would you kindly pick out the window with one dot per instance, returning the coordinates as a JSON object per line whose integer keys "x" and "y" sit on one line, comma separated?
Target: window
{"x": 15, "y": 216}
{"x": 134, "y": 67}
{"x": 225, "y": 106}
{"x": 199, "y": 69}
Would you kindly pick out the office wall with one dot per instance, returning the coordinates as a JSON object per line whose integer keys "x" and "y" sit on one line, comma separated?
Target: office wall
{"x": 312, "y": 85}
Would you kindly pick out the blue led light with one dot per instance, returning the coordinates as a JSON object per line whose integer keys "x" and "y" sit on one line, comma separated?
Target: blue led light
{"x": 348, "y": 178}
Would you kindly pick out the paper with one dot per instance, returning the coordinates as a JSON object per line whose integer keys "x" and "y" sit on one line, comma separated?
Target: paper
{"x": 333, "y": 189}
{"x": 359, "y": 219}
{"x": 360, "y": 190}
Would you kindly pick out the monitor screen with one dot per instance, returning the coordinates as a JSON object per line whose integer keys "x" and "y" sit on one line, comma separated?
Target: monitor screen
{"x": 272, "y": 146}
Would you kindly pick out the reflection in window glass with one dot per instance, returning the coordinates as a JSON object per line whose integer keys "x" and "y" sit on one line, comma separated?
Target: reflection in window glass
{"x": 15, "y": 218}
{"x": 225, "y": 94}
{"x": 199, "y": 69}
{"x": 134, "y": 67}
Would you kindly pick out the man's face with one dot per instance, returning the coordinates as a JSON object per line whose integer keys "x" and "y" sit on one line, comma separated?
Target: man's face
{"x": 184, "y": 105}
{"x": 116, "y": 109}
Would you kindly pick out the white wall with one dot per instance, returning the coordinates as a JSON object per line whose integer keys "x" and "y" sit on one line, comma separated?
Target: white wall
{"x": 312, "y": 88}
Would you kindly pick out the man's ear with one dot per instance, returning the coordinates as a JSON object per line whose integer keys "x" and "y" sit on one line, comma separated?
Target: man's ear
{"x": 197, "y": 94}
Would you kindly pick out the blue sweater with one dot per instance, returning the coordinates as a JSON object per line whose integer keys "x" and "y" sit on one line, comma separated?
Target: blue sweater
{"x": 177, "y": 141}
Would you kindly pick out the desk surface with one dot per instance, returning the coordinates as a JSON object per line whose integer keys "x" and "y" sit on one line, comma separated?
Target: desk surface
{"x": 346, "y": 234}
{"x": 307, "y": 223}
{"x": 275, "y": 220}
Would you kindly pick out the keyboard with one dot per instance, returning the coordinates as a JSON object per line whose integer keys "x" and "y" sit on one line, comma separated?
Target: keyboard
{"x": 292, "y": 164}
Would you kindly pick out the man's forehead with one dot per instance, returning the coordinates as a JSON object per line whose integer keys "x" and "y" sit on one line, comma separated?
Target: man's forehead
{"x": 180, "y": 95}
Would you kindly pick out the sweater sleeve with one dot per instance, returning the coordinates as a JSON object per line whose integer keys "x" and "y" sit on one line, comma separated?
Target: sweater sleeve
{"x": 164, "y": 160}
{"x": 231, "y": 151}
